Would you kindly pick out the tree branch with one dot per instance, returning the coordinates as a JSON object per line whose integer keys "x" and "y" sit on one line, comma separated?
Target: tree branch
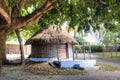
{"x": 2, "y": 3}
{"x": 100, "y": 2}
{"x": 17, "y": 8}
{"x": 22, "y": 3}
{"x": 3, "y": 13}
{"x": 5, "y": 16}
{"x": 106, "y": 6}
{"x": 35, "y": 16}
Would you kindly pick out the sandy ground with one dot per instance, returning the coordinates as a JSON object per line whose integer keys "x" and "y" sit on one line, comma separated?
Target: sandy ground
{"x": 16, "y": 73}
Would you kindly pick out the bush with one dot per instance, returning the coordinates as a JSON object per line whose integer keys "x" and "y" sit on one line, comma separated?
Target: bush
{"x": 78, "y": 47}
{"x": 96, "y": 48}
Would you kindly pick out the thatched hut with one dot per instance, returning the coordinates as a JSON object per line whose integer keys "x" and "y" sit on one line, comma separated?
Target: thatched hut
{"x": 51, "y": 43}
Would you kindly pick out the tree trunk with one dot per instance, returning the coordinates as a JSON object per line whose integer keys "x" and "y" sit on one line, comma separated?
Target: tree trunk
{"x": 115, "y": 45}
{"x": 84, "y": 49}
{"x": 90, "y": 50}
{"x": 21, "y": 45}
{"x": 3, "y": 38}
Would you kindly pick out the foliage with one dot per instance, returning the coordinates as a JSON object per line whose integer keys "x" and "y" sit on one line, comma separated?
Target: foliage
{"x": 29, "y": 30}
{"x": 79, "y": 13}
{"x": 78, "y": 47}
{"x": 80, "y": 39}
{"x": 96, "y": 48}
{"x": 12, "y": 37}
{"x": 109, "y": 38}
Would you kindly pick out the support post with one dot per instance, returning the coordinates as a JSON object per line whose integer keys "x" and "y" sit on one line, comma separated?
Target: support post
{"x": 84, "y": 50}
{"x": 90, "y": 50}
{"x": 73, "y": 53}
{"x": 58, "y": 53}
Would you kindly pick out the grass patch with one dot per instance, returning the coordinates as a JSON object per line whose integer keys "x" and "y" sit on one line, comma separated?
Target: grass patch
{"x": 105, "y": 67}
{"x": 108, "y": 55}
{"x": 46, "y": 69}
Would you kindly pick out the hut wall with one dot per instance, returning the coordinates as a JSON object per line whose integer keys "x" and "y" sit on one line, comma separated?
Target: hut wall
{"x": 12, "y": 49}
{"x": 48, "y": 51}
{"x": 15, "y": 49}
{"x": 70, "y": 51}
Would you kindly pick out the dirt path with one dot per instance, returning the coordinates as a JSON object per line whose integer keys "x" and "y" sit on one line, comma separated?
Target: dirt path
{"x": 112, "y": 62}
{"x": 16, "y": 73}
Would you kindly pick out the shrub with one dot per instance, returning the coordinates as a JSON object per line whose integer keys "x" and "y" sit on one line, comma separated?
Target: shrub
{"x": 78, "y": 48}
{"x": 96, "y": 48}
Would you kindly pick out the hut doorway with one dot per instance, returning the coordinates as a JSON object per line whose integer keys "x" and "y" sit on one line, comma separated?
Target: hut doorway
{"x": 63, "y": 51}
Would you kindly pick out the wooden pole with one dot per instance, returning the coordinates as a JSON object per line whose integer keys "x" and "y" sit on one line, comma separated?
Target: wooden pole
{"x": 46, "y": 49}
{"x": 90, "y": 50}
{"x": 111, "y": 54}
{"x": 67, "y": 52}
{"x": 84, "y": 50}
{"x": 58, "y": 52}
{"x": 76, "y": 52}
{"x": 8, "y": 48}
{"x": 50, "y": 51}
{"x": 73, "y": 53}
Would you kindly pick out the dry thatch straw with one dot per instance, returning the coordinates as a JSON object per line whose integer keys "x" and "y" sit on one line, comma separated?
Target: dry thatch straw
{"x": 51, "y": 35}
{"x": 46, "y": 69}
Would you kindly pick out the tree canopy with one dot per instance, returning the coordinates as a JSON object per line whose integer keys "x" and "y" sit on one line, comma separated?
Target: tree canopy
{"x": 82, "y": 12}
{"x": 77, "y": 12}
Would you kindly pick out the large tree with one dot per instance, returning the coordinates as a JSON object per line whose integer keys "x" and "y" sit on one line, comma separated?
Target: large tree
{"x": 11, "y": 18}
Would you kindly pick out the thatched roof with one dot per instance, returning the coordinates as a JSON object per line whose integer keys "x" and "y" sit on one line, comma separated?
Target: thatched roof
{"x": 51, "y": 35}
